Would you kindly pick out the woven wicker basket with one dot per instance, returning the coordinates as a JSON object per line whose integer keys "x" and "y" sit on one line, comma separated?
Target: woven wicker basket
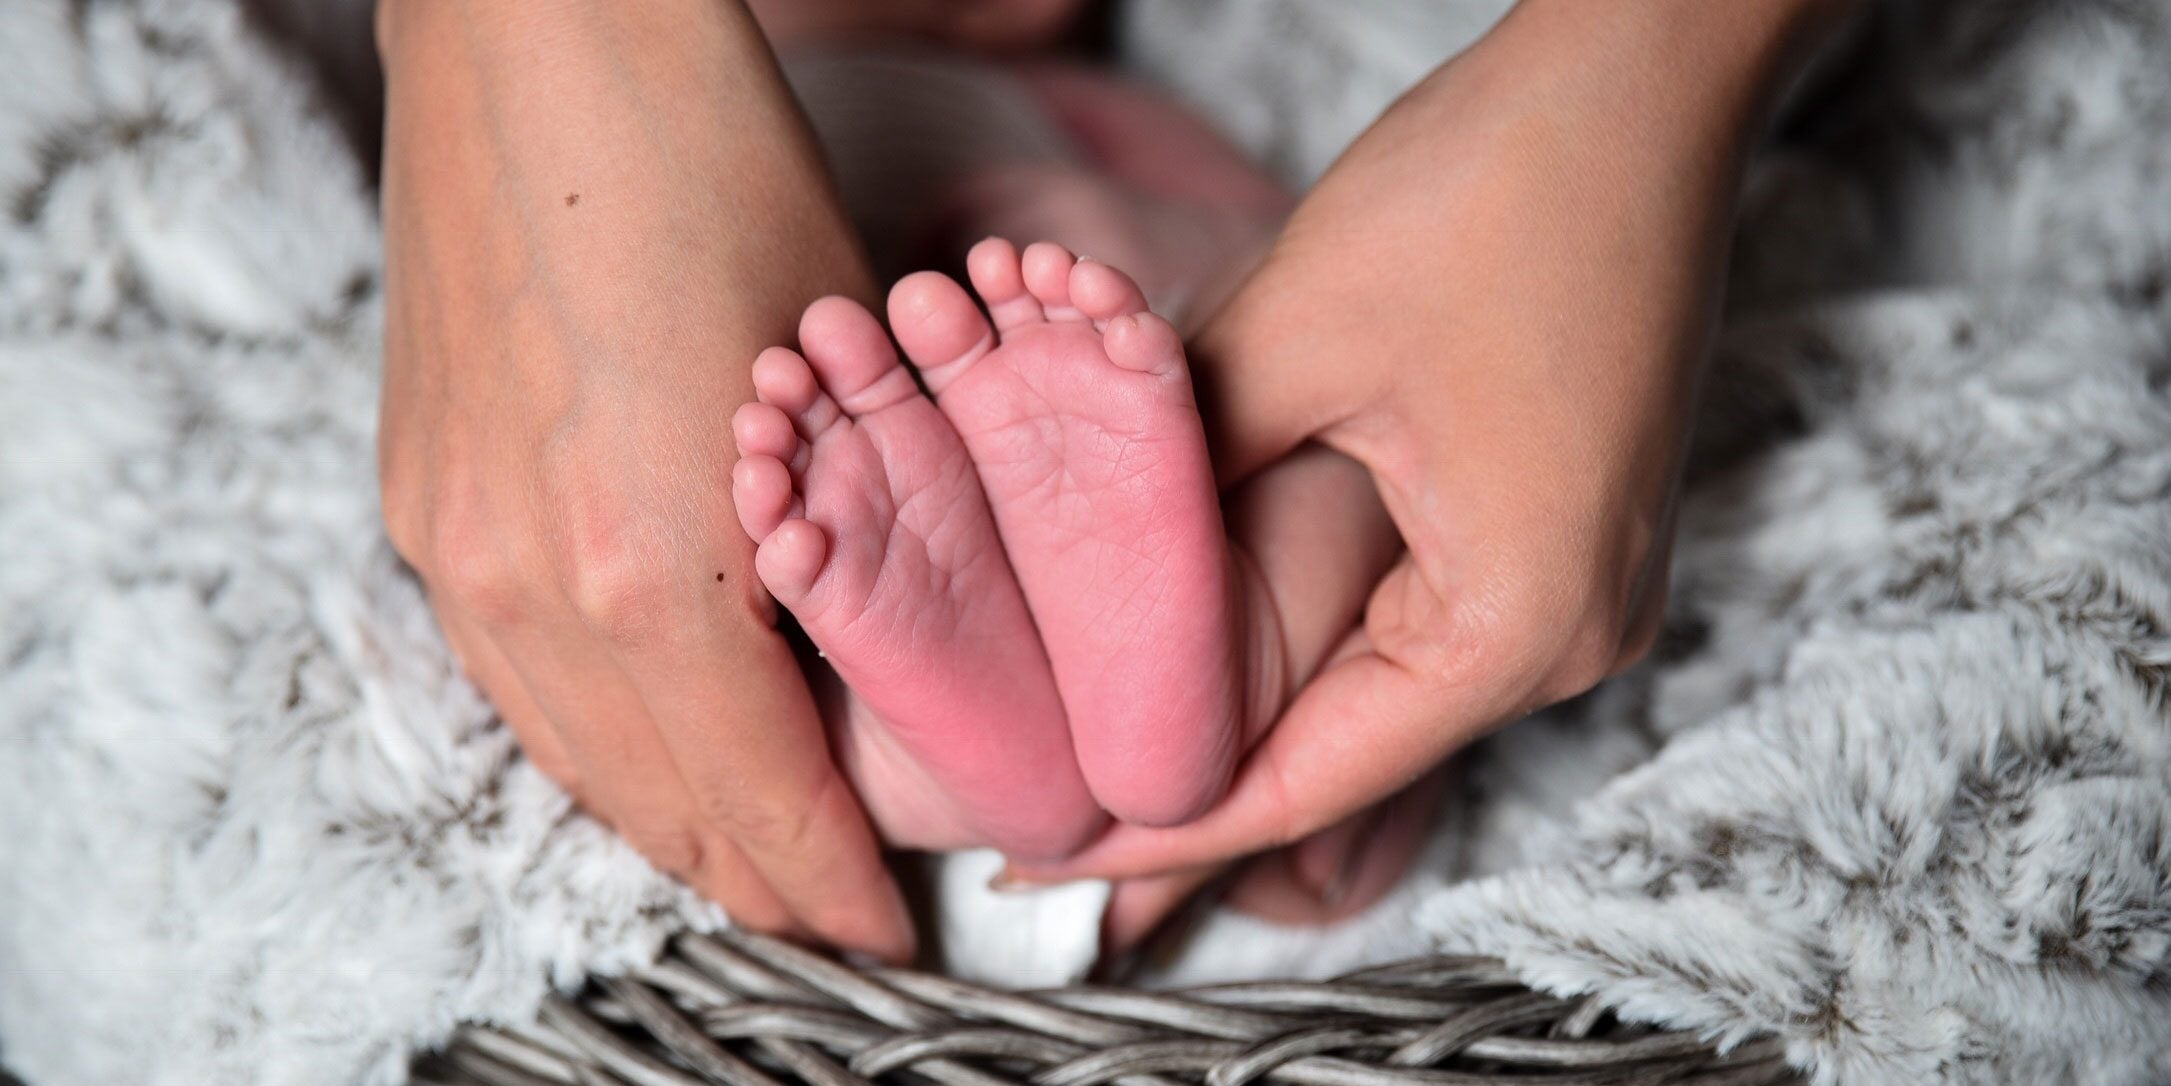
{"x": 746, "y": 1010}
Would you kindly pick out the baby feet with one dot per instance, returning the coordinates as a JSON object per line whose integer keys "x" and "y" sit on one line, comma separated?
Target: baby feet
{"x": 872, "y": 529}
{"x": 1071, "y": 420}
{"x": 1077, "y": 408}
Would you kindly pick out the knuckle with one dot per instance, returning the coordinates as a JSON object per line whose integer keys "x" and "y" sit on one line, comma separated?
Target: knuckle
{"x": 1405, "y": 620}
{"x": 1483, "y": 634}
{"x": 787, "y": 828}
{"x": 621, "y": 595}
{"x": 767, "y": 827}
{"x": 617, "y": 572}
{"x": 1290, "y": 822}
{"x": 475, "y": 572}
{"x": 1521, "y": 626}
{"x": 1518, "y": 630}
{"x": 727, "y": 812}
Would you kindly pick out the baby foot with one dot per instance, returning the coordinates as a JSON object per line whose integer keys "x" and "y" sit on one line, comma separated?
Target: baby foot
{"x": 1078, "y": 412}
{"x": 872, "y": 529}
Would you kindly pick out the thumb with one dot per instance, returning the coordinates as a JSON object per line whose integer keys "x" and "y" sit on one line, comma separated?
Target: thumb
{"x": 1255, "y": 365}
{"x": 1364, "y": 729}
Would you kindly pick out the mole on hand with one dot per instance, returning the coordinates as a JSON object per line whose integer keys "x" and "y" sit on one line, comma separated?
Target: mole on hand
{"x": 572, "y": 198}
{"x": 719, "y": 578}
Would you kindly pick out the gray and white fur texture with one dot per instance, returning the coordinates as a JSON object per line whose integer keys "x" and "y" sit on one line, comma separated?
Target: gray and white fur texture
{"x": 1896, "y": 787}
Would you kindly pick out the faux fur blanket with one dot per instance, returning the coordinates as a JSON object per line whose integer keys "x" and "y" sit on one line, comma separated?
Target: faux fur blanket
{"x": 1897, "y": 787}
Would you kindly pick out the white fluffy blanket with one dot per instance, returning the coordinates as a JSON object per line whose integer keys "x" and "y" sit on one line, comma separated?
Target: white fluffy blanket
{"x": 1897, "y": 787}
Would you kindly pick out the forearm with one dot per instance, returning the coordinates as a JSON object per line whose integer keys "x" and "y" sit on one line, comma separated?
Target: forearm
{"x": 1676, "y": 72}
{"x": 1581, "y": 152}
{"x": 640, "y": 165}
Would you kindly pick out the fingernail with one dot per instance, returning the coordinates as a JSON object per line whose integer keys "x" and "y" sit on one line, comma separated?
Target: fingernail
{"x": 1320, "y": 862}
{"x": 1337, "y": 889}
{"x": 1349, "y": 867}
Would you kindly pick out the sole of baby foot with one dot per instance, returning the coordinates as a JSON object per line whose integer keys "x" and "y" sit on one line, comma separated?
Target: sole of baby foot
{"x": 1076, "y": 406}
{"x": 872, "y": 529}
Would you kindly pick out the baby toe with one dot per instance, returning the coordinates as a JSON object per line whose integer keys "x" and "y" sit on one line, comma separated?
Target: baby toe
{"x": 1102, "y": 293}
{"x": 784, "y": 380}
{"x": 1047, "y": 267}
{"x": 939, "y": 327}
{"x": 762, "y": 429}
{"x": 851, "y": 357}
{"x": 761, "y": 491}
{"x": 998, "y": 277}
{"x": 1145, "y": 343}
{"x": 789, "y": 561}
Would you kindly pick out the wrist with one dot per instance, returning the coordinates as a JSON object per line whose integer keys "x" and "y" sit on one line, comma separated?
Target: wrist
{"x": 1690, "y": 61}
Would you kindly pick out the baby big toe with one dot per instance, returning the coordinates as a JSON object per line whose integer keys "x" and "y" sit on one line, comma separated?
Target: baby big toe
{"x": 851, "y": 357}
{"x": 939, "y": 327}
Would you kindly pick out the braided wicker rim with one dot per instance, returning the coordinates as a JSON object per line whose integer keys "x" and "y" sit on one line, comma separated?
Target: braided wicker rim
{"x": 746, "y": 1010}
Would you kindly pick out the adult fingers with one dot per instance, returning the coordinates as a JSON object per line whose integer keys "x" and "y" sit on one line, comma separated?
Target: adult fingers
{"x": 728, "y": 878}
{"x": 1138, "y": 908}
{"x": 487, "y": 666}
{"x": 628, "y": 777}
{"x": 1330, "y": 876}
{"x": 1301, "y": 779}
{"x": 736, "y": 717}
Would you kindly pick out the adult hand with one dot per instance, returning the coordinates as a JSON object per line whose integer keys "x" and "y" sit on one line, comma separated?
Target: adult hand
{"x": 596, "y": 214}
{"x": 1497, "y": 302}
